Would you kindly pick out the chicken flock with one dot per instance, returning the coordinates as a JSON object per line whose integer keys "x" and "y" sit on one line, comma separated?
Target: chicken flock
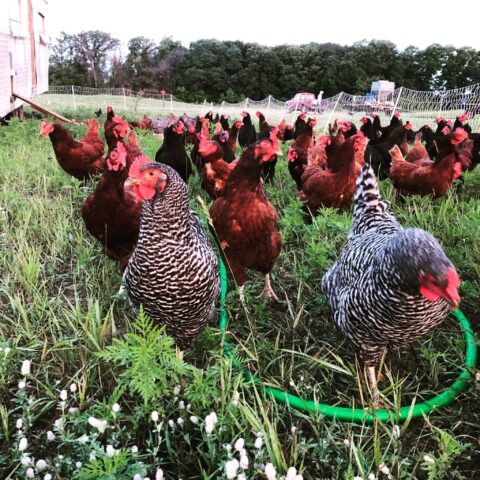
{"x": 389, "y": 286}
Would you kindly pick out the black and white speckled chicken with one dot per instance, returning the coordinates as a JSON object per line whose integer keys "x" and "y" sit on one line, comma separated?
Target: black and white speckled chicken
{"x": 390, "y": 285}
{"x": 174, "y": 271}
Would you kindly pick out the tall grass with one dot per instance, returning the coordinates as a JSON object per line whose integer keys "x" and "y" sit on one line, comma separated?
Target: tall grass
{"x": 61, "y": 310}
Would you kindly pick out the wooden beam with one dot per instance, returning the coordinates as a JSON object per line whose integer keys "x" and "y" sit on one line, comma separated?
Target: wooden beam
{"x": 38, "y": 107}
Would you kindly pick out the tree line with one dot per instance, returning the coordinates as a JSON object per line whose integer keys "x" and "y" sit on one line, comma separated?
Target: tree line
{"x": 232, "y": 70}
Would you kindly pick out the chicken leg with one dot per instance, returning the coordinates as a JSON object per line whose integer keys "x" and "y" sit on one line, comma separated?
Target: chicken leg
{"x": 268, "y": 290}
{"x": 372, "y": 380}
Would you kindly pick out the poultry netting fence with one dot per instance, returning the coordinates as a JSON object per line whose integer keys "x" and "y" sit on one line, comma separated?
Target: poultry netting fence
{"x": 419, "y": 107}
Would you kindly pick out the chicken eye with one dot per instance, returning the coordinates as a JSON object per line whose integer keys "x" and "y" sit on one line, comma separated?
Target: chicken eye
{"x": 151, "y": 173}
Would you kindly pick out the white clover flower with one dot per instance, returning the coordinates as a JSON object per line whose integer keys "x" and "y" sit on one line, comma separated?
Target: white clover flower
{"x": 21, "y": 384}
{"x": 171, "y": 423}
{"x": 92, "y": 456}
{"x": 63, "y": 395}
{"x": 209, "y": 428}
{"x": 346, "y": 442}
{"x": 239, "y": 444}
{"x": 293, "y": 429}
{"x": 428, "y": 458}
{"x": 194, "y": 419}
{"x": 299, "y": 477}
{"x": 73, "y": 387}
{"x": 258, "y": 442}
{"x": 58, "y": 423}
{"x": 19, "y": 424}
{"x": 7, "y": 350}
{"x": 384, "y": 469}
{"x": 214, "y": 418}
{"x": 78, "y": 465}
{"x": 110, "y": 451}
{"x": 159, "y": 474}
{"x": 181, "y": 405}
{"x": 270, "y": 472}
{"x": 41, "y": 465}
{"x": 100, "y": 425}
{"x": 189, "y": 407}
{"x": 137, "y": 476}
{"x": 154, "y": 416}
{"x": 134, "y": 449}
{"x": 50, "y": 436}
{"x": 115, "y": 408}
{"x": 180, "y": 420}
{"x": 25, "y": 460}
{"x": 477, "y": 376}
{"x": 26, "y": 367}
{"x": 372, "y": 476}
{"x": 241, "y": 476}
{"x": 236, "y": 395}
{"x": 47, "y": 477}
{"x": 73, "y": 410}
{"x": 23, "y": 444}
{"x": 30, "y": 473}
{"x": 244, "y": 462}
{"x": 358, "y": 478}
{"x": 242, "y": 452}
{"x": 83, "y": 439}
{"x": 291, "y": 473}
{"x": 176, "y": 390}
{"x": 231, "y": 468}
{"x": 396, "y": 431}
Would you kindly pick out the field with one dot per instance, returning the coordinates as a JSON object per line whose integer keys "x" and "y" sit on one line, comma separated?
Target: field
{"x": 136, "y": 406}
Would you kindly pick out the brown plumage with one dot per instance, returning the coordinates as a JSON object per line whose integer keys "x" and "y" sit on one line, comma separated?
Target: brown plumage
{"x": 112, "y": 214}
{"x": 79, "y": 159}
{"x": 245, "y": 221}
{"x": 327, "y": 188}
{"x": 434, "y": 179}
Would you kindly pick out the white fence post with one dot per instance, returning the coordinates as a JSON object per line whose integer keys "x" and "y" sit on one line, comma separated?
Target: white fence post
{"x": 221, "y": 107}
{"x": 396, "y": 102}
{"x": 73, "y": 98}
{"x": 331, "y": 113}
{"x": 124, "y": 100}
{"x": 268, "y": 106}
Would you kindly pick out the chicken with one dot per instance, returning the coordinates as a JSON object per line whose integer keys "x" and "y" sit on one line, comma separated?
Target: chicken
{"x": 224, "y": 122}
{"x": 285, "y": 132}
{"x": 245, "y": 222}
{"x": 112, "y": 214}
{"x": 271, "y": 132}
{"x": 329, "y": 188}
{"x": 215, "y": 170}
{"x": 233, "y": 135}
{"x": 223, "y": 139}
{"x": 79, "y": 159}
{"x": 300, "y": 125}
{"x": 173, "y": 153}
{"x": 379, "y": 154}
{"x": 144, "y": 123}
{"x": 434, "y": 179}
{"x": 247, "y": 133}
{"x": 263, "y": 126}
{"x": 173, "y": 272}
{"x": 390, "y": 285}
{"x": 116, "y": 129}
{"x": 418, "y": 154}
{"x": 297, "y": 156}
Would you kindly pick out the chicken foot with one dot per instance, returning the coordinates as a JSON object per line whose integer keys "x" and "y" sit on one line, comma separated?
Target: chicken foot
{"x": 268, "y": 290}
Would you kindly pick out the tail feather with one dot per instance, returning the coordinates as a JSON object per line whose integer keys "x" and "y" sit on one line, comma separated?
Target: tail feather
{"x": 367, "y": 194}
{"x": 370, "y": 211}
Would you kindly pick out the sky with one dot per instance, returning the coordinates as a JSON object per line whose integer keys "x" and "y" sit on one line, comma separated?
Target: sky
{"x": 418, "y": 23}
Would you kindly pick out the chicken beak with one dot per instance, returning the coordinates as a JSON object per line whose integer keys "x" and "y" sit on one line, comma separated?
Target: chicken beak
{"x": 131, "y": 182}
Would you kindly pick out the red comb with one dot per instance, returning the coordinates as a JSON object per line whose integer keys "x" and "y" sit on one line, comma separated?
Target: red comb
{"x": 136, "y": 168}
{"x": 397, "y": 115}
{"x": 458, "y": 136}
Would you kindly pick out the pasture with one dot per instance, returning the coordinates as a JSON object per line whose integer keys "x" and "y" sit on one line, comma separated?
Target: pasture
{"x": 61, "y": 311}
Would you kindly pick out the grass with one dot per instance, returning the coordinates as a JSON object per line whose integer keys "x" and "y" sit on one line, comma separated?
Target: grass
{"x": 60, "y": 310}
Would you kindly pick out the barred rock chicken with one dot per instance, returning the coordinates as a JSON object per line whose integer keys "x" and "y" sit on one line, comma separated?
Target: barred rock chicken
{"x": 173, "y": 272}
{"x": 112, "y": 214}
{"x": 245, "y": 222}
{"x": 390, "y": 285}
{"x": 79, "y": 159}
{"x": 173, "y": 153}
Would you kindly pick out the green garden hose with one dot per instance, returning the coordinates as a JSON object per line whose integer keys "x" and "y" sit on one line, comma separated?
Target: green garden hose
{"x": 358, "y": 414}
